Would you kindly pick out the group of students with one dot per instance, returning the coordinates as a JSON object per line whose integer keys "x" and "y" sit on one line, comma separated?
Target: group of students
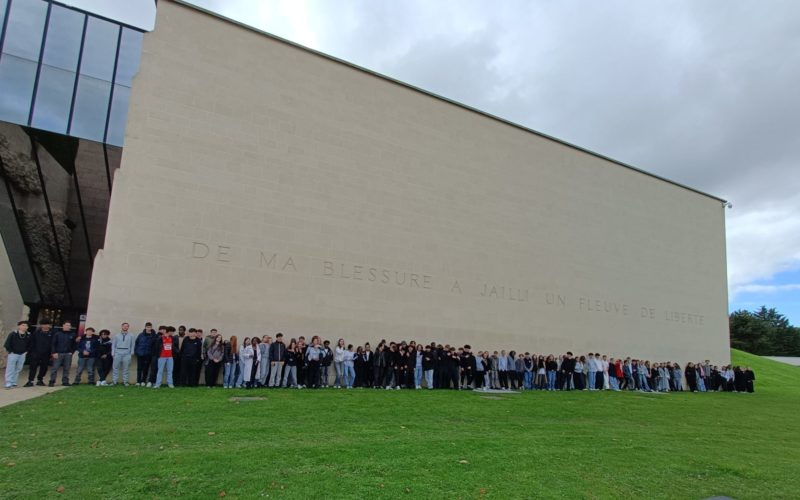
{"x": 179, "y": 357}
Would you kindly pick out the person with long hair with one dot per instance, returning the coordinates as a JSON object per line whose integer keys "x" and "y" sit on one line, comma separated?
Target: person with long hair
{"x": 551, "y": 366}
{"x": 349, "y": 369}
{"x": 290, "y": 368}
{"x": 214, "y": 355}
{"x": 338, "y": 363}
{"x": 230, "y": 360}
{"x": 251, "y": 359}
{"x": 240, "y": 378}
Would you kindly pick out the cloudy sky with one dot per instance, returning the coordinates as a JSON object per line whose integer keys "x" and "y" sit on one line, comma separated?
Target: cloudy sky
{"x": 703, "y": 93}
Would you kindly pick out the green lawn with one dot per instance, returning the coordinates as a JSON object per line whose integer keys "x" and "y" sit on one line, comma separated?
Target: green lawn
{"x": 140, "y": 443}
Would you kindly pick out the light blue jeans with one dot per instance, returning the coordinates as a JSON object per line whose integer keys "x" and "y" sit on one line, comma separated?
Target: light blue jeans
{"x": 528, "y": 380}
{"x": 429, "y": 379}
{"x": 417, "y": 376}
{"x": 592, "y": 380}
{"x": 289, "y": 371}
{"x": 349, "y": 374}
{"x": 229, "y": 375}
{"x": 240, "y": 375}
{"x": 167, "y": 363}
{"x": 643, "y": 385}
{"x": 14, "y": 366}
{"x": 614, "y": 382}
{"x": 340, "y": 376}
{"x": 551, "y": 380}
{"x": 701, "y": 385}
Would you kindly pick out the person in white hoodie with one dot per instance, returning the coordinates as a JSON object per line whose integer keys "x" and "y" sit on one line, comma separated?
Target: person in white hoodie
{"x": 601, "y": 371}
{"x": 252, "y": 356}
{"x": 606, "y": 381}
{"x": 338, "y": 363}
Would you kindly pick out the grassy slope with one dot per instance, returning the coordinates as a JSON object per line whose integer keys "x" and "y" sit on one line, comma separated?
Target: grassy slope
{"x": 137, "y": 442}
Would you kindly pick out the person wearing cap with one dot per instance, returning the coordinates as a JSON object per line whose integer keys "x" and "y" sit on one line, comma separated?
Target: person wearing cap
{"x": 17, "y": 344}
{"x": 39, "y": 353}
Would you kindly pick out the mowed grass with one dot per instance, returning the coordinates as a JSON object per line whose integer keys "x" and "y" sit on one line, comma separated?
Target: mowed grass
{"x": 88, "y": 442}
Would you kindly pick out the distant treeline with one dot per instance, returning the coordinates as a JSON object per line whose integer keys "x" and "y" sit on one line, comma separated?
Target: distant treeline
{"x": 765, "y": 332}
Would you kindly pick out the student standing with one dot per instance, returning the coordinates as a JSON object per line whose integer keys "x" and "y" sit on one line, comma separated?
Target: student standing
{"x": 143, "y": 348}
{"x": 551, "y": 366}
{"x": 277, "y": 358}
{"x": 750, "y": 378}
{"x": 427, "y": 366}
{"x": 349, "y": 371}
{"x": 39, "y": 353}
{"x": 121, "y": 351}
{"x": 104, "y": 359}
{"x": 578, "y": 375}
{"x": 290, "y": 368}
{"x": 314, "y": 356}
{"x": 63, "y": 346}
{"x": 241, "y": 377}
{"x": 214, "y": 355}
{"x": 87, "y": 347}
{"x": 250, "y": 356}
{"x": 325, "y": 364}
{"x": 338, "y": 363}
{"x": 17, "y": 345}
{"x": 230, "y": 360}
{"x": 191, "y": 353}
{"x": 165, "y": 345}
{"x": 263, "y": 366}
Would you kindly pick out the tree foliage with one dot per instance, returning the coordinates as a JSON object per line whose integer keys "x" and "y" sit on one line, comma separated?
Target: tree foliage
{"x": 765, "y": 332}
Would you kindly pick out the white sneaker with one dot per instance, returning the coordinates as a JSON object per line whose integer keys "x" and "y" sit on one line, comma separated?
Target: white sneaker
{"x": 98, "y": 384}
{"x": 171, "y": 386}
{"x": 398, "y": 387}
{"x": 149, "y": 384}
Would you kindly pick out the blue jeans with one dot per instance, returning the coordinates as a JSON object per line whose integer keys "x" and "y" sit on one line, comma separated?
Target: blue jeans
{"x": 169, "y": 363}
{"x": 429, "y": 379}
{"x": 592, "y": 380}
{"x": 229, "y": 375}
{"x": 86, "y": 364}
{"x": 643, "y": 385}
{"x": 701, "y": 385}
{"x": 339, "y": 381}
{"x": 614, "y": 383}
{"x": 417, "y": 376}
{"x": 240, "y": 375}
{"x": 14, "y": 366}
{"x": 551, "y": 380}
{"x": 349, "y": 374}
{"x": 528, "y": 380}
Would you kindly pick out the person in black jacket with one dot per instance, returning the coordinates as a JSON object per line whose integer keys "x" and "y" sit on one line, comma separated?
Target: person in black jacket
{"x": 453, "y": 367}
{"x": 17, "y": 345}
{"x": 191, "y": 360}
{"x": 62, "y": 348}
{"x": 104, "y": 359}
{"x": 750, "y": 378}
{"x": 369, "y": 364}
{"x": 39, "y": 354}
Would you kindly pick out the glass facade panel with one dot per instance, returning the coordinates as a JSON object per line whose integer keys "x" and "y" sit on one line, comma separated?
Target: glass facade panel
{"x": 99, "y": 49}
{"x": 3, "y": 4}
{"x": 16, "y": 88}
{"x": 130, "y": 50}
{"x": 25, "y": 28}
{"x": 53, "y": 99}
{"x": 63, "y": 44}
{"x": 119, "y": 115}
{"x": 91, "y": 106}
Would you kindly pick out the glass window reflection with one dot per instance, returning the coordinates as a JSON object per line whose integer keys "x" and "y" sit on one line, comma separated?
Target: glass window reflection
{"x": 63, "y": 44}
{"x": 3, "y": 4}
{"x": 99, "y": 49}
{"x": 91, "y": 106}
{"x": 53, "y": 99}
{"x": 25, "y": 28}
{"x": 119, "y": 115}
{"x": 130, "y": 50}
{"x": 16, "y": 88}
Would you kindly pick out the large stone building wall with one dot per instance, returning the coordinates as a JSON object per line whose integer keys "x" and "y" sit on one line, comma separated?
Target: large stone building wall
{"x": 266, "y": 188}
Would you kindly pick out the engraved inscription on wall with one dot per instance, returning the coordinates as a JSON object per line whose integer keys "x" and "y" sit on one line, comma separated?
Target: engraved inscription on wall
{"x": 423, "y": 282}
